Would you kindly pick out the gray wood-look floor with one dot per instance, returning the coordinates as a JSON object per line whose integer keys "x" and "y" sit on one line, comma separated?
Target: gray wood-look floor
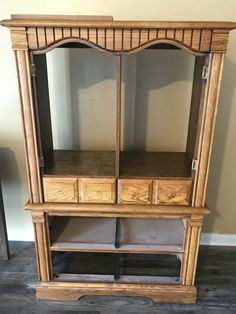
{"x": 216, "y": 283}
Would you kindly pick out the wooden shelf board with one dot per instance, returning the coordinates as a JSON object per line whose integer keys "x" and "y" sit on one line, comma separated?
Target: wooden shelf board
{"x": 155, "y": 164}
{"x": 80, "y": 163}
{"x": 98, "y": 235}
{"x": 102, "y": 164}
{"x": 122, "y": 279}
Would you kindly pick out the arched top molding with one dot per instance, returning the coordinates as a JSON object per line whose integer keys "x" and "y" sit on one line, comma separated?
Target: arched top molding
{"x": 119, "y": 37}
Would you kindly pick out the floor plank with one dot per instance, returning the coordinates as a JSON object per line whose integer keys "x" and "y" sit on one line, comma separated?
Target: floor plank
{"x": 216, "y": 283}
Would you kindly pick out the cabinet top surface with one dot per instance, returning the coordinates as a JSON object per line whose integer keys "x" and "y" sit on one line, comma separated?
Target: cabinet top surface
{"x": 107, "y": 21}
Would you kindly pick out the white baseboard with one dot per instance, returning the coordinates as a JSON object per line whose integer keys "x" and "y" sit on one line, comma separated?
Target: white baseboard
{"x": 20, "y": 234}
{"x": 218, "y": 239}
{"x": 206, "y": 238}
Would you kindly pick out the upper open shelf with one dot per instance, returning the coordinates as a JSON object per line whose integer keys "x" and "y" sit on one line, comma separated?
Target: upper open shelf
{"x": 102, "y": 164}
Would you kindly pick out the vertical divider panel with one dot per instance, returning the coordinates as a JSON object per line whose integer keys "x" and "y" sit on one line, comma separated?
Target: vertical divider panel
{"x": 118, "y": 113}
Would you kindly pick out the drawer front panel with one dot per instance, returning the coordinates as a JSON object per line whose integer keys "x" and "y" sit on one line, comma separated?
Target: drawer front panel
{"x": 135, "y": 191}
{"x": 60, "y": 190}
{"x": 172, "y": 192}
{"x": 97, "y": 190}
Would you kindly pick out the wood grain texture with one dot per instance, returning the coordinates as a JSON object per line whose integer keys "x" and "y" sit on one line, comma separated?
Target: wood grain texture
{"x": 143, "y": 178}
{"x": 119, "y": 36}
{"x": 42, "y": 247}
{"x": 60, "y": 189}
{"x": 118, "y": 210}
{"x": 204, "y": 144}
{"x": 74, "y": 291}
{"x": 97, "y": 190}
{"x": 51, "y": 21}
{"x": 80, "y": 163}
{"x": 135, "y": 191}
{"x": 172, "y": 192}
{"x": 192, "y": 240}
{"x": 19, "y": 38}
{"x": 29, "y": 126}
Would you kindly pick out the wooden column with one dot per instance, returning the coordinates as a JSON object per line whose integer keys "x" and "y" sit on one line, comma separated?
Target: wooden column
{"x": 42, "y": 246}
{"x": 189, "y": 264}
{"x": 208, "y": 118}
{"x": 29, "y": 128}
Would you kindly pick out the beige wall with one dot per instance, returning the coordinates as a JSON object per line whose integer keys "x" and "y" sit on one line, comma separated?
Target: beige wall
{"x": 222, "y": 183}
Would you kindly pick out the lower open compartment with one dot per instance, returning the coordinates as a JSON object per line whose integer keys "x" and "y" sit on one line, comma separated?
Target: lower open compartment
{"x": 113, "y": 267}
{"x": 123, "y": 250}
{"x": 117, "y": 235}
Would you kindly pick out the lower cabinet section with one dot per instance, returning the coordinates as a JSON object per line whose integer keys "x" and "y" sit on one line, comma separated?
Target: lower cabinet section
{"x": 117, "y": 253}
{"x": 124, "y": 250}
{"x": 122, "y": 191}
{"x": 122, "y": 268}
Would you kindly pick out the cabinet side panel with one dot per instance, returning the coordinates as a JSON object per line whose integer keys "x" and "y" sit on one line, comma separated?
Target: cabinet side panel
{"x": 29, "y": 129}
{"x": 204, "y": 145}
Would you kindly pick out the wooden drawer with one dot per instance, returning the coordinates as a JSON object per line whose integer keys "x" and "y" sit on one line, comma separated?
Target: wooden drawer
{"x": 60, "y": 189}
{"x": 97, "y": 190}
{"x": 135, "y": 191}
{"x": 172, "y": 192}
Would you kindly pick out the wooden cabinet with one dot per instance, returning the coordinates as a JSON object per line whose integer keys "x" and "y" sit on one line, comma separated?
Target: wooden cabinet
{"x": 135, "y": 200}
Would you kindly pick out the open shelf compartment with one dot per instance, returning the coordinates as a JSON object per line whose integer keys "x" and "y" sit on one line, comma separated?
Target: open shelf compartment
{"x": 110, "y": 123}
{"x": 121, "y": 268}
{"x": 135, "y": 235}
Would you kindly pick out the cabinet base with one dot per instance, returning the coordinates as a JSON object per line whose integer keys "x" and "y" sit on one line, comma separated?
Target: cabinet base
{"x": 72, "y": 291}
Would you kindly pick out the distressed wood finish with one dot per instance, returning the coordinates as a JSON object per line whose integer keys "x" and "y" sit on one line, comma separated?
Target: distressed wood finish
{"x": 97, "y": 190}
{"x": 175, "y": 192}
{"x": 135, "y": 191}
{"x": 60, "y": 190}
